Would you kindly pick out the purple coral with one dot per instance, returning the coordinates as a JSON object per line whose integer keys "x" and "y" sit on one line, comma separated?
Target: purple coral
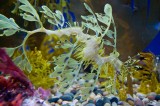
{"x": 42, "y": 93}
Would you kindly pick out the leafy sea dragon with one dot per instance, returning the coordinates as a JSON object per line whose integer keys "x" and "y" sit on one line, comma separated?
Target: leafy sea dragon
{"x": 86, "y": 49}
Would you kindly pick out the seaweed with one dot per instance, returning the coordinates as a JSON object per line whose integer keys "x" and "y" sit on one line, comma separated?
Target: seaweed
{"x": 41, "y": 69}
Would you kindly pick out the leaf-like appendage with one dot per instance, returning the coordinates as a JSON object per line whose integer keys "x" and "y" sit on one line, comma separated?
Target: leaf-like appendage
{"x": 67, "y": 44}
{"x": 100, "y": 24}
{"x": 60, "y": 60}
{"x": 30, "y": 13}
{"x": 88, "y": 8}
{"x": 110, "y": 34}
{"x": 72, "y": 63}
{"x": 104, "y": 19}
{"x": 108, "y": 9}
{"x": 17, "y": 60}
{"x": 28, "y": 17}
{"x": 88, "y": 85}
{"x": 90, "y": 18}
{"x": 10, "y": 51}
{"x": 8, "y": 25}
{"x": 22, "y": 62}
{"x": 57, "y": 72}
{"x": 108, "y": 43}
{"x": 9, "y": 32}
{"x": 93, "y": 27}
{"x": 56, "y": 18}
{"x": 89, "y": 76}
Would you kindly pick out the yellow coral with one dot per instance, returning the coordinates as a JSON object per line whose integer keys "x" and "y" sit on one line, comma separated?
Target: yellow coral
{"x": 39, "y": 75}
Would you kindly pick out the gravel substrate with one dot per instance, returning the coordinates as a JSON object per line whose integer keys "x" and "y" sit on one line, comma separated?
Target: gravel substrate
{"x": 99, "y": 97}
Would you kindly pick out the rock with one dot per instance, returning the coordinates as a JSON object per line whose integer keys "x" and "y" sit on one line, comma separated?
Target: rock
{"x": 58, "y": 94}
{"x": 131, "y": 102}
{"x": 90, "y": 104}
{"x": 157, "y": 97}
{"x": 70, "y": 94}
{"x": 141, "y": 96}
{"x": 153, "y": 103}
{"x": 78, "y": 104}
{"x": 73, "y": 103}
{"x": 114, "y": 99}
{"x": 53, "y": 104}
{"x": 145, "y": 100}
{"x": 138, "y": 102}
{"x": 106, "y": 100}
{"x": 60, "y": 101}
{"x": 151, "y": 96}
{"x": 114, "y": 104}
{"x": 81, "y": 81}
{"x": 92, "y": 95}
{"x": 98, "y": 96}
{"x": 53, "y": 100}
{"x": 66, "y": 98}
{"x": 73, "y": 91}
{"x": 107, "y": 104}
{"x": 149, "y": 105}
{"x": 105, "y": 93}
{"x": 157, "y": 104}
{"x": 56, "y": 105}
{"x": 46, "y": 104}
{"x": 99, "y": 102}
{"x": 95, "y": 89}
{"x": 98, "y": 92}
{"x": 90, "y": 101}
{"x": 78, "y": 97}
{"x": 129, "y": 96}
{"x": 65, "y": 105}
{"x": 120, "y": 103}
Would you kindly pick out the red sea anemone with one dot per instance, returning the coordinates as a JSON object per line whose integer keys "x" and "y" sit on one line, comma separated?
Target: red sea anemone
{"x": 14, "y": 85}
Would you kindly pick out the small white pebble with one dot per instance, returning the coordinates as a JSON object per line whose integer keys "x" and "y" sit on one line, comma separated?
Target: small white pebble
{"x": 60, "y": 101}
{"x": 98, "y": 96}
{"x": 107, "y": 104}
{"x": 53, "y": 103}
{"x": 81, "y": 81}
{"x": 58, "y": 94}
{"x": 105, "y": 93}
{"x": 57, "y": 104}
{"x": 74, "y": 86}
{"x": 145, "y": 100}
{"x": 46, "y": 104}
{"x": 92, "y": 96}
{"x": 110, "y": 96}
{"x": 65, "y": 102}
{"x": 129, "y": 96}
{"x": 73, "y": 103}
{"x": 141, "y": 95}
{"x": 114, "y": 104}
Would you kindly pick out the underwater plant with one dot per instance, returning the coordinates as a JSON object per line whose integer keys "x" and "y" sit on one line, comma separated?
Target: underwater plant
{"x": 39, "y": 76}
{"x": 87, "y": 48}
